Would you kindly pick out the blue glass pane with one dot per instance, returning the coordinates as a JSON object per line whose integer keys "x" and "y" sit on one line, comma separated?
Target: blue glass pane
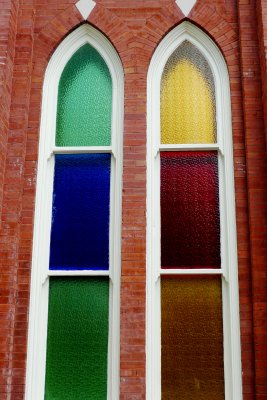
{"x": 80, "y": 217}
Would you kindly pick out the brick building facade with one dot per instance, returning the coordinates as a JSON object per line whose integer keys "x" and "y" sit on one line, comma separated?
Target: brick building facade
{"x": 30, "y": 32}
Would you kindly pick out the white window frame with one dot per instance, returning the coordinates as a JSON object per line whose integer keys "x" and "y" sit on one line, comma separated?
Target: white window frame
{"x": 229, "y": 271}
{"x": 37, "y": 336}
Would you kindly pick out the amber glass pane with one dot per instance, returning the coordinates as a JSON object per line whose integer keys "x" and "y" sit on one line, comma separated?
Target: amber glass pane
{"x": 188, "y": 112}
{"x": 192, "y": 339}
{"x": 190, "y": 216}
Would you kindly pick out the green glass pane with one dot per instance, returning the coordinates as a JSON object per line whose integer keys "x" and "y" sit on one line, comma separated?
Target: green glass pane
{"x": 77, "y": 342}
{"x": 84, "y": 101}
{"x": 192, "y": 338}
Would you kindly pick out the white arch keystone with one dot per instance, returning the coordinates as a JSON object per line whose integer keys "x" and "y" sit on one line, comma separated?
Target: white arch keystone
{"x": 85, "y": 7}
{"x": 186, "y": 5}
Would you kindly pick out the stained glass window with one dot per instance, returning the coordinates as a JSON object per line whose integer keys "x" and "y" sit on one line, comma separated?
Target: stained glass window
{"x": 78, "y": 312}
{"x": 75, "y": 276}
{"x": 192, "y": 363}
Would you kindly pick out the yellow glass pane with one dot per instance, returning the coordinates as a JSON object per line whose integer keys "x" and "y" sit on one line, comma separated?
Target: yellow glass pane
{"x": 188, "y": 112}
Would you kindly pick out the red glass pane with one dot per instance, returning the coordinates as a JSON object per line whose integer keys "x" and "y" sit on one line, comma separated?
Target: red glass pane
{"x": 190, "y": 218}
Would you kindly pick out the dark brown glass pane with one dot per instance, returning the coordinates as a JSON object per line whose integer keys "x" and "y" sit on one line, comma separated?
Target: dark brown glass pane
{"x": 190, "y": 217}
{"x": 192, "y": 339}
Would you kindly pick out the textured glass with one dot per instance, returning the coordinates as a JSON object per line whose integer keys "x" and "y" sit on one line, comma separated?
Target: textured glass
{"x": 84, "y": 101}
{"x": 80, "y": 217}
{"x": 188, "y": 112}
{"x": 77, "y": 340}
{"x": 190, "y": 219}
{"x": 192, "y": 339}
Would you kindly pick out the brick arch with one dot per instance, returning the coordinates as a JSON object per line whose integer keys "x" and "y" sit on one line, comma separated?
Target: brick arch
{"x": 64, "y": 23}
{"x": 215, "y": 21}
{"x": 208, "y": 17}
{"x": 211, "y": 18}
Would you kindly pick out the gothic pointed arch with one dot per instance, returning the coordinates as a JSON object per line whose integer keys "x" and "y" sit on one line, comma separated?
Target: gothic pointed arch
{"x": 193, "y": 332}
{"x": 73, "y": 342}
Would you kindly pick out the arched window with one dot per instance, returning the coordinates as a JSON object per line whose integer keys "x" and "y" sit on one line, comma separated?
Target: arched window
{"x": 74, "y": 311}
{"x": 193, "y": 338}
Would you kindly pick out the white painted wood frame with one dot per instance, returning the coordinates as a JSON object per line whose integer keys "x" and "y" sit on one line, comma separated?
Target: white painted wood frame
{"x": 36, "y": 355}
{"x": 229, "y": 268}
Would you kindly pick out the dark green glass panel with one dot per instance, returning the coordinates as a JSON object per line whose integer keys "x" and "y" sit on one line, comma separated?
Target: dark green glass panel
{"x": 77, "y": 342}
{"x": 84, "y": 101}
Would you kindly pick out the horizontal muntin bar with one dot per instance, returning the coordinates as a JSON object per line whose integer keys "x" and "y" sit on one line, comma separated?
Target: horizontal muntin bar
{"x": 188, "y": 147}
{"x": 83, "y": 272}
{"x": 195, "y": 271}
{"x": 83, "y": 149}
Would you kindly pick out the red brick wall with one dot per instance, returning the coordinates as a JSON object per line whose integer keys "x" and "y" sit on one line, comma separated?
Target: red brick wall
{"x": 135, "y": 28}
{"x": 15, "y": 288}
{"x": 262, "y": 35}
{"x": 8, "y": 24}
{"x": 253, "y": 88}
